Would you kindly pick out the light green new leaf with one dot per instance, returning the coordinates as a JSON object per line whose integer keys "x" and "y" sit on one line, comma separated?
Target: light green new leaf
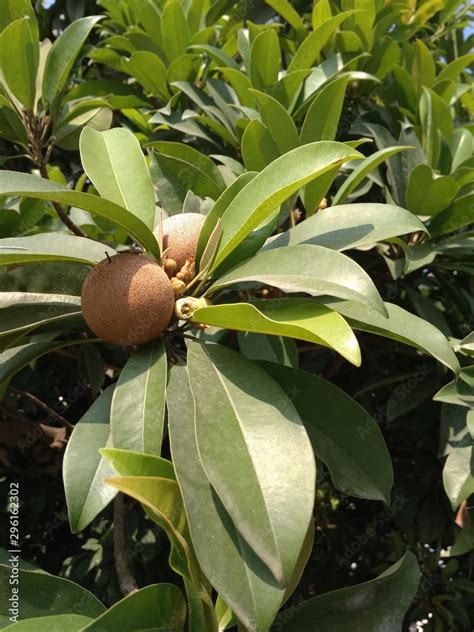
{"x": 19, "y": 59}
{"x": 62, "y": 56}
{"x": 138, "y": 406}
{"x": 84, "y": 470}
{"x": 55, "y": 623}
{"x": 278, "y": 122}
{"x": 44, "y": 595}
{"x": 26, "y": 185}
{"x": 377, "y": 605}
{"x": 174, "y": 30}
{"x": 232, "y": 567}
{"x": 322, "y": 118}
{"x": 289, "y": 13}
{"x": 400, "y": 325}
{"x": 114, "y": 162}
{"x": 252, "y": 476}
{"x": 424, "y": 68}
{"x": 349, "y": 226}
{"x": 451, "y": 71}
{"x": 344, "y": 436}
{"x": 458, "y": 475}
{"x": 11, "y": 10}
{"x": 52, "y": 247}
{"x": 306, "y": 268}
{"x": 129, "y": 463}
{"x": 275, "y": 184}
{"x": 293, "y": 317}
{"x": 363, "y": 169}
{"x": 265, "y": 58}
{"x": 155, "y": 607}
{"x": 426, "y": 193}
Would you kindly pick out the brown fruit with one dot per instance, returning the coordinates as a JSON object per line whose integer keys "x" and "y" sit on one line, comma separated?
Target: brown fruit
{"x": 127, "y": 299}
{"x": 180, "y": 236}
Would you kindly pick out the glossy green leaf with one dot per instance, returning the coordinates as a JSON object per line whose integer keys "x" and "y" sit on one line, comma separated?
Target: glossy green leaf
{"x": 275, "y": 184}
{"x": 349, "y": 226}
{"x": 271, "y": 348}
{"x": 157, "y": 607}
{"x": 11, "y": 10}
{"x": 232, "y": 567}
{"x": 427, "y": 193}
{"x": 264, "y": 60}
{"x": 138, "y": 406}
{"x": 322, "y": 118}
{"x": 289, "y": 13}
{"x": 239, "y": 394}
{"x": 458, "y": 475}
{"x": 363, "y": 169}
{"x": 114, "y": 162}
{"x": 84, "y": 470}
{"x": 25, "y": 185}
{"x": 278, "y": 122}
{"x": 377, "y": 605}
{"x": 294, "y": 318}
{"x": 25, "y": 317}
{"x": 62, "y": 56}
{"x": 451, "y": 71}
{"x": 344, "y": 436}
{"x": 19, "y": 60}
{"x": 401, "y": 326}
{"x": 293, "y": 269}
{"x": 423, "y": 69}
{"x": 174, "y": 30}
{"x": 257, "y": 146}
{"x": 55, "y": 623}
{"x": 150, "y": 72}
{"x": 52, "y": 247}
{"x": 460, "y": 391}
{"x": 15, "y": 359}
{"x": 459, "y": 214}
{"x": 129, "y": 463}
{"x": 44, "y": 595}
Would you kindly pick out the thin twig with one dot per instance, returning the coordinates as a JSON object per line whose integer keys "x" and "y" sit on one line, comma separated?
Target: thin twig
{"x": 44, "y": 406}
{"x": 125, "y": 578}
{"x": 63, "y": 216}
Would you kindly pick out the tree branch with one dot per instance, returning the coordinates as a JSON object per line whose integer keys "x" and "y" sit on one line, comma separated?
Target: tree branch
{"x": 125, "y": 578}
{"x": 44, "y": 406}
{"x": 63, "y": 216}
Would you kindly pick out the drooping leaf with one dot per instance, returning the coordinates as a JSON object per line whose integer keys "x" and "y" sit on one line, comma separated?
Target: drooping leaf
{"x": 293, "y": 269}
{"x": 84, "y": 470}
{"x": 25, "y": 185}
{"x": 138, "y": 405}
{"x": 230, "y": 564}
{"x": 114, "y": 162}
{"x": 62, "y": 56}
{"x": 292, "y": 317}
{"x": 344, "y": 436}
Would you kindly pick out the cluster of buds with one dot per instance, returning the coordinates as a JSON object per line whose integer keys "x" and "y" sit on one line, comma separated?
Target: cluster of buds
{"x": 179, "y": 279}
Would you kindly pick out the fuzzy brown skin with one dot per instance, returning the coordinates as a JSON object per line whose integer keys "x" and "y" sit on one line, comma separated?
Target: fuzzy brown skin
{"x": 127, "y": 299}
{"x": 180, "y": 236}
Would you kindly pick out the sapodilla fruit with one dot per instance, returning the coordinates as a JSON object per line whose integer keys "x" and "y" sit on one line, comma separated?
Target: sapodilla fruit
{"x": 181, "y": 235}
{"x": 127, "y": 299}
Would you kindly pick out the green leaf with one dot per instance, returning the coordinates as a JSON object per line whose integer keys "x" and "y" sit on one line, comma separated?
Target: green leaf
{"x": 459, "y": 391}
{"x": 322, "y": 118}
{"x": 44, "y": 595}
{"x": 218, "y": 55}
{"x": 114, "y": 162}
{"x": 401, "y": 326}
{"x": 451, "y": 71}
{"x": 62, "y": 56}
{"x": 271, "y": 348}
{"x": 138, "y": 406}
{"x": 275, "y": 184}
{"x": 344, "y": 436}
{"x": 174, "y": 30}
{"x": 288, "y": 13}
{"x": 15, "y": 359}
{"x": 457, "y": 215}
{"x": 278, "y": 122}
{"x": 128, "y": 463}
{"x": 26, "y": 185}
{"x": 435, "y": 120}
{"x": 423, "y": 70}
{"x": 52, "y": 247}
{"x": 308, "y": 53}
{"x": 257, "y": 146}
{"x": 294, "y": 318}
{"x": 349, "y": 226}
{"x": 150, "y": 72}
{"x": 155, "y": 607}
{"x": 56, "y": 623}
{"x": 265, "y": 58}
{"x": 24, "y": 317}
{"x": 19, "y": 60}
{"x": 458, "y": 475}
{"x": 250, "y": 474}
{"x": 84, "y": 470}
{"x": 293, "y": 269}
{"x": 363, "y": 169}
{"x": 11, "y": 10}
{"x": 377, "y": 605}
{"x": 232, "y": 567}
{"x": 427, "y": 194}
